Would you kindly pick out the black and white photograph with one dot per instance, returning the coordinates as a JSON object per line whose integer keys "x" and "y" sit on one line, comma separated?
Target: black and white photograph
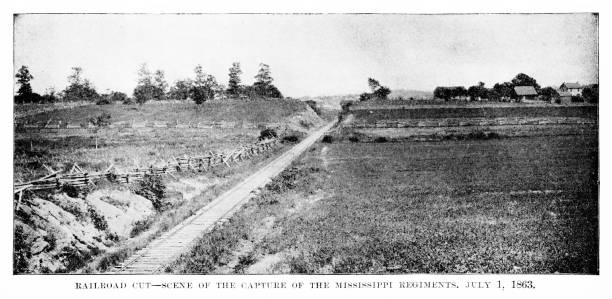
{"x": 306, "y": 144}
{"x": 322, "y": 150}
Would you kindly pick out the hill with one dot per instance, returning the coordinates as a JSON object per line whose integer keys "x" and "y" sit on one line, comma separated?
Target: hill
{"x": 333, "y": 101}
{"x": 253, "y": 111}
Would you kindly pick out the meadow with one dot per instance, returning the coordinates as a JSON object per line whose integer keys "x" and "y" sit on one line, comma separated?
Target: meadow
{"x": 126, "y": 147}
{"x": 230, "y": 110}
{"x": 510, "y": 205}
{"x": 373, "y": 113}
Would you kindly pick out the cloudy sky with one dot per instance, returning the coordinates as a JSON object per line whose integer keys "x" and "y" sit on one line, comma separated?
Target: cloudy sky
{"x": 310, "y": 54}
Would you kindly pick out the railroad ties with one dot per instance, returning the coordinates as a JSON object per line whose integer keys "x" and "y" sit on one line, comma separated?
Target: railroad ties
{"x": 170, "y": 245}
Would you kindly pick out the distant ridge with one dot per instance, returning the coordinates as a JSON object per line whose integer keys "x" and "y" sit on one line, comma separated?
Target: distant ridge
{"x": 333, "y": 101}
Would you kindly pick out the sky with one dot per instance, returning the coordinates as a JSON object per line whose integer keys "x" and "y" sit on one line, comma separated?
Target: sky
{"x": 310, "y": 55}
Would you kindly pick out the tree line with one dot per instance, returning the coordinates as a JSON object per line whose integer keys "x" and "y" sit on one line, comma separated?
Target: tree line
{"x": 505, "y": 91}
{"x": 152, "y": 86}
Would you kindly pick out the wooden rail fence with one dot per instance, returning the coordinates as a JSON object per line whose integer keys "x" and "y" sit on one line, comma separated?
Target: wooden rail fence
{"x": 77, "y": 177}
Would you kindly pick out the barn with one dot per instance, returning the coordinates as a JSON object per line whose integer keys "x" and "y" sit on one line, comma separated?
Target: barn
{"x": 525, "y": 92}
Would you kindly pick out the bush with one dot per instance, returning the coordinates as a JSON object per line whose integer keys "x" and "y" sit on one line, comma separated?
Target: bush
{"x": 128, "y": 101}
{"x": 244, "y": 262}
{"x": 153, "y": 188}
{"x": 21, "y": 251}
{"x": 98, "y": 220}
{"x": 112, "y": 259}
{"x": 381, "y": 139}
{"x": 103, "y": 100}
{"x": 73, "y": 259}
{"x": 70, "y": 190}
{"x": 140, "y": 226}
{"x": 267, "y": 134}
{"x": 29, "y": 98}
{"x": 577, "y": 99}
{"x": 327, "y": 139}
{"x": 101, "y": 120}
{"x": 353, "y": 139}
{"x": 291, "y": 138}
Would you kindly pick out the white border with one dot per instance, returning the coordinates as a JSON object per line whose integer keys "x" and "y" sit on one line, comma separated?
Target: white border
{"x": 561, "y": 286}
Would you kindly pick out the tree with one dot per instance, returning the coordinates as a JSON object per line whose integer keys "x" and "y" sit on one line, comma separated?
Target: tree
{"x": 263, "y": 83}
{"x": 548, "y": 94}
{"x": 100, "y": 121}
{"x": 50, "y": 96}
{"x": 149, "y": 87}
{"x": 590, "y": 93}
{"x": 204, "y": 86}
{"x": 493, "y": 95}
{"x": 448, "y": 93}
{"x": 79, "y": 89}
{"x": 263, "y": 76}
{"x": 181, "y": 89}
{"x": 144, "y": 89}
{"x": 373, "y": 84}
{"x": 24, "y": 93}
{"x": 233, "y": 86}
{"x": 23, "y": 78}
{"x": 524, "y": 80}
{"x": 160, "y": 86}
{"x": 477, "y": 91}
{"x": 504, "y": 90}
{"x": 442, "y": 93}
{"x": 377, "y": 91}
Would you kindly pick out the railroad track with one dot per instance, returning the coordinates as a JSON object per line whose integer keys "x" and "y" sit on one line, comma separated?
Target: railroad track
{"x": 180, "y": 239}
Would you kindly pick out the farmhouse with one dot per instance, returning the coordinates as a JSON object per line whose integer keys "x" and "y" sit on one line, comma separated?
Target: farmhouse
{"x": 575, "y": 89}
{"x": 525, "y": 92}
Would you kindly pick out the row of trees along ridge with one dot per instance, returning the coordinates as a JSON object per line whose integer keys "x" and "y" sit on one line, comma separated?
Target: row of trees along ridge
{"x": 152, "y": 86}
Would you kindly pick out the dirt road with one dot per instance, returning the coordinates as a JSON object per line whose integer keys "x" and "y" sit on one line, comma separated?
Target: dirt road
{"x": 181, "y": 238}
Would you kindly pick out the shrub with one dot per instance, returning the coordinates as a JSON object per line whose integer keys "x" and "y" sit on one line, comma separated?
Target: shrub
{"x": 577, "y": 99}
{"x": 353, "y": 139}
{"x": 153, "y": 188}
{"x": 98, "y": 220}
{"x": 73, "y": 259}
{"x": 51, "y": 239}
{"x": 128, "y": 101}
{"x": 101, "y": 120}
{"x": 140, "y": 226}
{"x": 103, "y": 100}
{"x": 381, "y": 139}
{"x": 112, "y": 259}
{"x": 70, "y": 190}
{"x": 327, "y": 139}
{"x": 306, "y": 124}
{"x": 291, "y": 138}
{"x": 244, "y": 262}
{"x": 267, "y": 134}
{"x": 21, "y": 251}
{"x": 266, "y": 200}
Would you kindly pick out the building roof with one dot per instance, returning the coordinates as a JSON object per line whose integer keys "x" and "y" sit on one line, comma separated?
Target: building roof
{"x": 572, "y": 85}
{"x": 525, "y": 91}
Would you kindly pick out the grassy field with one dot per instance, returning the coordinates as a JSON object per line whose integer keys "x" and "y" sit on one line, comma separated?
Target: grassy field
{"x": 255, "y": 111}
{"x": 516, "y": 205}
{"x": 122, "y": 149}
{"x": 132, "y": 147}
{"x": 374, "y": 114}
